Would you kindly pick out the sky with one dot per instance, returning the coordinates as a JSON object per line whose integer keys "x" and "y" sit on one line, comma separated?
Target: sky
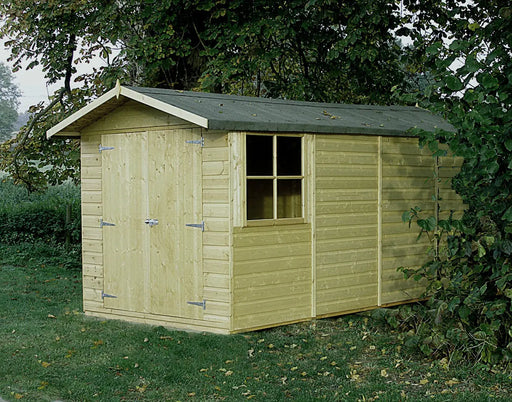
{"x": 31, "y": 83}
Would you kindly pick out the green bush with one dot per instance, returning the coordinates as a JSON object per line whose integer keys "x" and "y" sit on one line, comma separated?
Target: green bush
{"x": 26, "y": 217}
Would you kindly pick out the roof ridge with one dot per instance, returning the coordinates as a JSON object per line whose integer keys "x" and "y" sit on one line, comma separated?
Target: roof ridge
{"x": 210, "y": 95}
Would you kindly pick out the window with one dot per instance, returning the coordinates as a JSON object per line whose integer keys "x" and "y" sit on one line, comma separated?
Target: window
{"x": 275, "y": 177}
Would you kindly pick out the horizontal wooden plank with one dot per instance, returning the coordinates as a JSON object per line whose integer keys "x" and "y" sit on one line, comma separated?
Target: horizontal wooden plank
{"x": 91, "y": 221}
{"x": 91, "y": 160}
{"x": 340, "y": 306}
{"x": 215, "y": 154}
{"x": 345, "y": 270}
{"x": 346, "y": 244}
{"x": 419, "y": 172}
{"x": 92, "y": 245}
{"x": 339, "y": 208}
{"x": 249, "y": 239}
{"x": 346, "y": 144}
{"x": 272, "y": 306}
{"x": 347, "y": 158}
{"x": 216, "y": 182}
{"x": 257, "y": 319}
{"x": 271, "y": 290}
{"x": 347, "y": 220}
{"x": 334, "y": 170}
{"x": 92, "y": 209}
{"x": 277, "y": 276}
{"x": 213, "y": 224}
{"x": 216, "y": 281}
{"x": 92, "y": 282}
{"x": 217, "y": 168}
{"x": 216, "y": 196}
{"x": 215, "y": 139}
{"x": 93, "y": 295}
{"x": 259, "y": 266}
{"x": 346, "y": 183}
{"x": 90, "y": 184}
{"x": 89, "y": 172}
{"x": 92, "y": 270}
{"x": 266, "y": 251}
{"x": 91, "y": 197}
{"x": 345, "y": 281}
{"x": 92, "y": 233}
{"x": 217, "y": 294}
{"x": 92, "y": 258}
{"x": 215, "y": 210}
{"x": 363, "y": 291}
{"x": 219, "y": 253}
{"x": 216, "y": 266}
{"x": 340, "y": 194}
{"x": 216, "y": 238}
{"x": 339, "y": 257}
{"x": 346, "y": 232}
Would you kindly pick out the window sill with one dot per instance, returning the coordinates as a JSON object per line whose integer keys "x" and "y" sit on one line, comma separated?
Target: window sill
{"x": 274, "y": 222}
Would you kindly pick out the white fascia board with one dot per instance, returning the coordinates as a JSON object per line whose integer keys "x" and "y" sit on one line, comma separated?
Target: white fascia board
{"x": 82, "y": 112}
{"x": 165, "y": 107}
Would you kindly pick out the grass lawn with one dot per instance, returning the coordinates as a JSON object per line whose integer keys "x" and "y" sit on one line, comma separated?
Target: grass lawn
{"x": 50, "y": 351}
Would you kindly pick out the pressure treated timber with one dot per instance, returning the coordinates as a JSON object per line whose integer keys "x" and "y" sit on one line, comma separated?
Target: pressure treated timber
{"x": 258, "y": 299}
{"x": 341, "y": 255}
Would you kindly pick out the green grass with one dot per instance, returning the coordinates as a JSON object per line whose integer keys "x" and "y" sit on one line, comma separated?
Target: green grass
{"x": 49, "y": 350}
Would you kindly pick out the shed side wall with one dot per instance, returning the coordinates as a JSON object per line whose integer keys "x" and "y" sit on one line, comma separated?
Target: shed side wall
{"x": 346, "y": 222}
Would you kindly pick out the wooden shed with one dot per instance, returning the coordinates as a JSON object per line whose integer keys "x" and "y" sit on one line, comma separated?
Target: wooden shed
{"x": 226, "y": 214}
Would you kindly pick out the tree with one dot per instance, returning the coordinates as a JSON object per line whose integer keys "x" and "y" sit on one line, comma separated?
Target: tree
{"x": 9, "y": 94}
{"x": 469, "y": 58}
{"x": 314, "y": 50}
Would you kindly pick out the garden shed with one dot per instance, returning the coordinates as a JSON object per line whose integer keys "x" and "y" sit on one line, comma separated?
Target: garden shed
{"x": 227, "y": 213}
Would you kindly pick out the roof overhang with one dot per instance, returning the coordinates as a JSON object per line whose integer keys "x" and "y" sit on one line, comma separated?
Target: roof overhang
{"x": 72, "y": 125}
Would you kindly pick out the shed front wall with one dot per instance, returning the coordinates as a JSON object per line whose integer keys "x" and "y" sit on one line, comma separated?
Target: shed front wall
{"x": 170, "y": 135}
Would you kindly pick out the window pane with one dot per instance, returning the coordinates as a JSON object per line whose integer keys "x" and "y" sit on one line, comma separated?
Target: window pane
{"x": 289, "y": 200}
{"x": 289, "y": 161}
{"x": 259, "y": 155}
{"x": 259, "y": 199}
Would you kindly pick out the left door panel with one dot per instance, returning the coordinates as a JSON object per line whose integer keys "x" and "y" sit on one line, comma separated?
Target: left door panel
{"x": 125, "y": 204}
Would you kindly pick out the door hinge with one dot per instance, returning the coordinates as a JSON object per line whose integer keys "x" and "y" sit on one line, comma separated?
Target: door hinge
{"x": 103, "y": 223}
{"x": 102, "y": 148}
{"x": 197, "y": 142}
{"x": 200, "y": 304}
{"x": 103, "y": 295}
{"x": 196, "y": 225}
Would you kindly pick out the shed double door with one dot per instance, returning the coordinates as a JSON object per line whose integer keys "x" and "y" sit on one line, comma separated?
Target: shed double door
{"x": 149, "y": 266}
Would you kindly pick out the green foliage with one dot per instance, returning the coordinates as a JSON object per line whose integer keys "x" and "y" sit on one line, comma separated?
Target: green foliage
{"x": 33, "y": 217}
{"x": 9, "y": 94}
{"x": 313, "y": 50}
{"x": 470, "y": 278}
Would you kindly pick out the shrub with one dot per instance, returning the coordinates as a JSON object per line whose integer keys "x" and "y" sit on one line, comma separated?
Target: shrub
{"x": 26, "y": 217}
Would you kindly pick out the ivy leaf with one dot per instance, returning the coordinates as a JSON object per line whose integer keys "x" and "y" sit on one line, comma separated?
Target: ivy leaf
{"x": 454, "y": 83}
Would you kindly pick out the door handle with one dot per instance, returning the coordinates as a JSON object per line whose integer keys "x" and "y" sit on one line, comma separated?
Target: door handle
{"x": 151, "y": 222}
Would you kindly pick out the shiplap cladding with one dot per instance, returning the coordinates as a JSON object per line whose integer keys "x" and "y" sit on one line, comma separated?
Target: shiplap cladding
{"x": 92, "y": 237}
{"x": 271, "y": 275}
{"x": 216, "y": 237}
{"x": 346, "y": 222}
{"x": 408, "y": 180}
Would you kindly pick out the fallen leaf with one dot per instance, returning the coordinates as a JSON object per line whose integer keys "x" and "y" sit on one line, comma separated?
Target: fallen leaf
{"x": 250, "y": 352}
{"x": 146, "y": 340}
{"x": 228, "y": 361}
{"x": 323, "y": 358}
{"x": 203, "y": 370}
{"x": 294, "y": 368}
{"x": 423, "y": 381}
{"x": 451, "y": 382}
{"x": 228, "y": 373}
{"x": 191, "y": 394}
{"x": 51, "y": 316}
{"x": 384, "y": 373}
{"x": 18, "y": 396}
{"x": 270, "y": 345}
{"x": 45, "y": 364}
